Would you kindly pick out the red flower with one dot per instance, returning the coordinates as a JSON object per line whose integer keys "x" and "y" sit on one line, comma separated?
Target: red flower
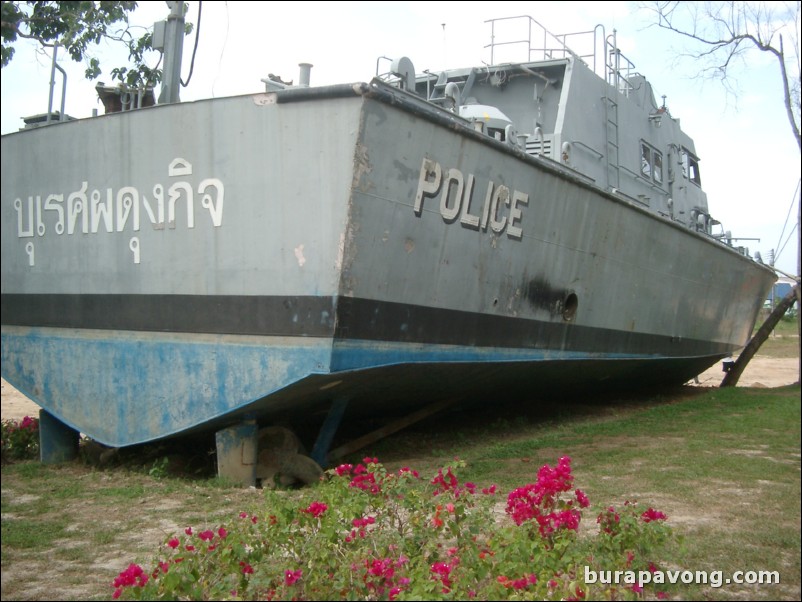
{"x": 291, "y": 577}
{"x": 316, "y": 509}
{"x": 173, "y": 543}
{"x": 132, "y": 576}
{"x": 443, "y": 573}
{"x": 652, "y": 514}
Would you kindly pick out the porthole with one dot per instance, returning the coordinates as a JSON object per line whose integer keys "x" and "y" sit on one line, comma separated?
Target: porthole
{"x": 570, "y": 306}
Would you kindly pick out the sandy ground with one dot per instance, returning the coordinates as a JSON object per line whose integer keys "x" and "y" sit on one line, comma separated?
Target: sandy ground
{"x": 761, "y": 372}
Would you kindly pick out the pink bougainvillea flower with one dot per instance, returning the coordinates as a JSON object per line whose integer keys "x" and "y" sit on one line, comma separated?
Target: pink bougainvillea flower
{"x": 207, "y": 535}
{"x": 316, "y": 509}
{"x": 132, "y": 576}
{"x": 344, "y": 469}
{"x": 173, "y": 543}
{"x": 221, "y": 532}
{"x": 442, "y": 571}
{"x": 583, "y": 500}
{"x": 523, "y": 582}
{"x": 651, "y": 514}
{"x": 188, "y": 530}
{"x": 444, "y": 482}
{"x": 292, "y": 577}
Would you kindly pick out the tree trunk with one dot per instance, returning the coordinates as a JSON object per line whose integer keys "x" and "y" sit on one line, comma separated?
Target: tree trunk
{"x": 737, "y": 368}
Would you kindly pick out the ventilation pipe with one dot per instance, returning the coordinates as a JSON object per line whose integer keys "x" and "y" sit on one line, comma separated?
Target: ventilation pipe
{"x": 303, "y": 79}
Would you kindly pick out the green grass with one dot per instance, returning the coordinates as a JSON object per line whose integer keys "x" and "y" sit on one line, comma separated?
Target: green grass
{"x": 724, "y": 464}
{"x": 783, "y": 342}
{"x": 31, "y": 533}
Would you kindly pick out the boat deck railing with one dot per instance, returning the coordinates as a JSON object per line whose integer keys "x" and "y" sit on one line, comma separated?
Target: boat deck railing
{"x": 593, "y": 47}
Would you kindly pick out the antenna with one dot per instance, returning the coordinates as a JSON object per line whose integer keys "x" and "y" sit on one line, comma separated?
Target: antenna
{"x": 445, "y": 47}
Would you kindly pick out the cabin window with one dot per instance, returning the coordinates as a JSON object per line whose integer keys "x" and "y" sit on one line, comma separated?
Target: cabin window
{"x": 690, "y": 167}
{"x": 496, "y": 133}
{"x": 651, "y": 163}
{"x": 657, "y": 170}
{"x": 645, "y": 161}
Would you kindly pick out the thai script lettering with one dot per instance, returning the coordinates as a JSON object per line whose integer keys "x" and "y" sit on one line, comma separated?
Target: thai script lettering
{"x": 113, "y": 211}
{"x": 501, "y": 210}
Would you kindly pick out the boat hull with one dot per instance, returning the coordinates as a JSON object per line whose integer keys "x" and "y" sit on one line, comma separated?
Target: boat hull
{"x": 270, "y": 253}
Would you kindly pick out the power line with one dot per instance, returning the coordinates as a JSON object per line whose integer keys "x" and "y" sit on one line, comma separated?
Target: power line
{"x": 195, "y": 49}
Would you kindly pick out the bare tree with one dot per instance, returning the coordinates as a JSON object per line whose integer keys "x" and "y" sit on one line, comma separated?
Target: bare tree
{"x": 722, "y": 33}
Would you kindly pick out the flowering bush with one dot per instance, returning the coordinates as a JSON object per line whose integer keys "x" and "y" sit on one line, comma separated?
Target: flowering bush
{"x": 20, "y": 438}
{"x": 368, "y": 533}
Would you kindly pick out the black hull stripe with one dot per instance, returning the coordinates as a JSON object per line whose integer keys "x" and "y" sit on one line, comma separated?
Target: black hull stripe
{"x": 212, "y": 314}
{"x": 342, "y": 318}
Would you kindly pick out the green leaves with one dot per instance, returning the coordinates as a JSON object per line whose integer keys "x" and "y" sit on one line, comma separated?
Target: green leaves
{"x": 366, "y": 533}
{"x": 78, "y": 27}
{"x": 20, "y": 439}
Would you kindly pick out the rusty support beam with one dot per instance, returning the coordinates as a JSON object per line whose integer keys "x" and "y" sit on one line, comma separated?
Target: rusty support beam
{"x": 389, "y": 429}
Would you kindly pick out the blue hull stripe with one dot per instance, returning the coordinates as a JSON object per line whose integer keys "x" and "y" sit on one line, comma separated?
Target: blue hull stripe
{"x": 128, "y": 388}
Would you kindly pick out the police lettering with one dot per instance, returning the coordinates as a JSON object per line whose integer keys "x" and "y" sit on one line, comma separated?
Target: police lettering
{"x": 500, "y": 210}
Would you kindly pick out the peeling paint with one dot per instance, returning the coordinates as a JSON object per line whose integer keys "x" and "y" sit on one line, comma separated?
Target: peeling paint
{"x": 299, "y": 255}
{"x": 338, "y": 261}
{"x": 261, "y": 100}
{"x": 362, "y": 168}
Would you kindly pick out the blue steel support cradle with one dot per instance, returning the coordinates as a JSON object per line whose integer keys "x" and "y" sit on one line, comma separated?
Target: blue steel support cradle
{"x": 57, "y": 441}
{"x": 320, "y": 450}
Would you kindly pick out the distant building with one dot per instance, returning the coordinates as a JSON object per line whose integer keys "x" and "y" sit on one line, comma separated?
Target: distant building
{"x": 781, "y": 288}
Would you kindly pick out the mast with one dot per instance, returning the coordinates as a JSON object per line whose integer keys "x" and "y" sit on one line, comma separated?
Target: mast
{"x": 173, "y": 50}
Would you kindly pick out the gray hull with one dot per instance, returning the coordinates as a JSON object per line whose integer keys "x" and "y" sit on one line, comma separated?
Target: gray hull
{"x": 184, "y": 266}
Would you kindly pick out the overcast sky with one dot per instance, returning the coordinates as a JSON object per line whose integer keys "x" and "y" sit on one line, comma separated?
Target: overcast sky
{"x": 750, "y": 162}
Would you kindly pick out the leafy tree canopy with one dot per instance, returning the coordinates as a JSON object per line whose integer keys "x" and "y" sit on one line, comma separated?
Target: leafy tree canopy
{"x": 79, "y": 27}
